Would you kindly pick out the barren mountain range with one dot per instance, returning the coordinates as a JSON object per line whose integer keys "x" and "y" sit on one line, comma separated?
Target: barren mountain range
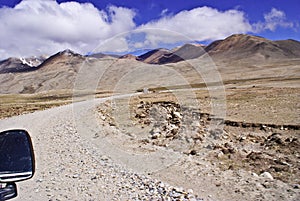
{"x": 247, "y": 83}
{"x": 238, "y": 46}
{"x": 59, "y": 71}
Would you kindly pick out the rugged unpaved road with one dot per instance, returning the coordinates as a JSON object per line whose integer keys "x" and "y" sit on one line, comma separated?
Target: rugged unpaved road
{"x": 78, "y": 157}
{"x": 71, "y": 167}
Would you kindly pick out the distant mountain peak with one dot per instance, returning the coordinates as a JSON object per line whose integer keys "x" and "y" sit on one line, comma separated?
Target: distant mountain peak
{"x": 245, "y": 47}
{"x": 33, "y": 61}
{"x": 66, "y": 57}
{"x": 128, "y": 56}
{"x": 163, "y": 56}
{"x": 236, "y": 41}
{"x": 14, "y": 64}
{"x": 68, "y": 52}
{"x": 153, "y": 56}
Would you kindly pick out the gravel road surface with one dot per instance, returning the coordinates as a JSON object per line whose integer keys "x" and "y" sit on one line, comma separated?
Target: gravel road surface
{"x": 71, "y": 166}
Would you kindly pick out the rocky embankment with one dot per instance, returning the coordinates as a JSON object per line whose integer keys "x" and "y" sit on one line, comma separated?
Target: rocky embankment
{"x": 268, "y": 154}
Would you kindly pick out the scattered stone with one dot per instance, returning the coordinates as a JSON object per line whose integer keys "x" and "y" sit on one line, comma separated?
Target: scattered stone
{"x": 216, "y": 133}
{"x": 242, "y": 138}
{"x": 39, "y": 180}
{"x": 266, "y": 175}
{"x": 177, "y": 115}
{"x": 193, "y": 152}
{"x": 112, "y": 124}
{"x": 155, "y": 135}
{"x": 165, "y": 116}
{"x": 254, "y": 155}
{"x": 296, "y": 186}
{"x": 274, "y": 139}
{"x": 220, "y": 154}
{"x": 190, "y": 191}
{"x": 266, "y": 184}
{"x": 218, "y": 184}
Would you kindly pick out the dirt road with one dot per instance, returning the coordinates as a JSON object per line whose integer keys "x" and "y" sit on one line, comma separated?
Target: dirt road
{"x": 71, "y": 167}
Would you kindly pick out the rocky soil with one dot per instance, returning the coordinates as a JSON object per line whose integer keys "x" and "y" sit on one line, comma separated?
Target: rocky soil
{"x": 235, "y": 161}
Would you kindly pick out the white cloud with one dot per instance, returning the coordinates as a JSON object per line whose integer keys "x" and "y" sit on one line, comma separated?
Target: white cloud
{"x": 272, "y": 20}
{"x": 203, "y": 23}
{"x": 164, "y": 12}
{"x": 116, "y": 44}
{"x": 35, "y": 27}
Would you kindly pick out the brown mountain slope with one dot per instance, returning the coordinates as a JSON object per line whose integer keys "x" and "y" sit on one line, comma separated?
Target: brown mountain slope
{"x": 63, "y": 59}
{"x": 55, "y": 73}
{"x": 12, "y": 65}
{"x": 186, "y": 52}
{"x": 153, "y": 56}
{"x": 290, "y": 46}
{"x": 242, "y": 46}
{"x": 190, "y": 51}
{"x": 235, "y": 47}
{"x": 129, "y": 56}
{"x": 101, "y": 55}
{"x": 164, "y": 56}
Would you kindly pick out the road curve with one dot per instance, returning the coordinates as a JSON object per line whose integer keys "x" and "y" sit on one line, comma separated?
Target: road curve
{"x": 69, "y": 166}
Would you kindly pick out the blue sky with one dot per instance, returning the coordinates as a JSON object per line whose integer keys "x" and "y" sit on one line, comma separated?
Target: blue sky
{"x": 34, "y": 27}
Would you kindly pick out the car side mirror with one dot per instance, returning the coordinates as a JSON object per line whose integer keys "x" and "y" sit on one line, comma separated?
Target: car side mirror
{"x": 16, "y": 161}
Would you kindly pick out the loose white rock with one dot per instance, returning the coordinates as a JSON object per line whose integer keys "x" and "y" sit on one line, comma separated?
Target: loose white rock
{"x": 266, "y": 175}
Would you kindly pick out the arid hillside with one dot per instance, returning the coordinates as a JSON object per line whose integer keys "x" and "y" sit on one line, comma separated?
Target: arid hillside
{"x": 238, "y": 57}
